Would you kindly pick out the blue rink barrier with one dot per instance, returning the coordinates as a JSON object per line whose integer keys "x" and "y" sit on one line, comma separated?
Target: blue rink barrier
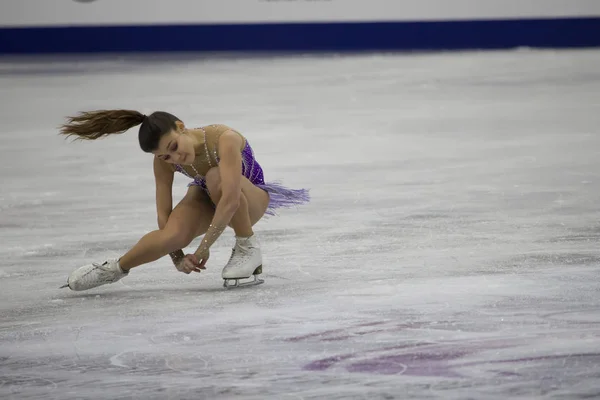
{"x": 380, "y": 36}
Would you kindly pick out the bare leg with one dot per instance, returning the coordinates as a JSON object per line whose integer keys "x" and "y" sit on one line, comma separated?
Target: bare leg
{"x": 246, "y": 257}
{"x": 188, "y": 220}
{"x": 253, "y": 203}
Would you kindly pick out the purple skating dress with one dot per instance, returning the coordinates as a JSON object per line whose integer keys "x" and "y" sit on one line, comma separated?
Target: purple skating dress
{"x": 280, "y": 196}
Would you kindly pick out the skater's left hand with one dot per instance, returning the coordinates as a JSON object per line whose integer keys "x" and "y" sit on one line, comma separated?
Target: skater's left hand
{"x": 202, "y": 257}
{"x": 190, "y": 264}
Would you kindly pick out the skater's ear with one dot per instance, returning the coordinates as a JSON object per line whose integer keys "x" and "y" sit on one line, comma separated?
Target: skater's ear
{"x": 180, "y": 126}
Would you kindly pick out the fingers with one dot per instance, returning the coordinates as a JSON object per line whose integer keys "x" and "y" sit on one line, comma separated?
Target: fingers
{"x": 203, "y": 263}
{"x": 191, "y": 264}
{"x": 196, "y": 268}
{"x": 191, "y": 267}
{"x": 196, "y": 265}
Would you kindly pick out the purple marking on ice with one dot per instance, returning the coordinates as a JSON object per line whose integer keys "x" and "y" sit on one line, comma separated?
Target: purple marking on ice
{"x": 326, "y": 363}
{"x": 312, "y": 335}
{"x": 354, "y": 330}
{"x": 372, "y": 323}
{"x": 336, "y": 338}
{"x": 507, "y": 374}
{"x": 415, "y": 364}
{"x": 430, "y": 360}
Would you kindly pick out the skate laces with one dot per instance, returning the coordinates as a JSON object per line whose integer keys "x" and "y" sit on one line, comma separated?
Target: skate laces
{"x": 105, "y": 273}
{"x": 239, "y": 254}
{"x": 99, "y": 266}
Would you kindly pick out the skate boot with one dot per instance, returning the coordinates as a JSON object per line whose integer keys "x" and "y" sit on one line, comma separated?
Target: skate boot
{"x": 245, "y": 262}
{"x": 94, "y": 275}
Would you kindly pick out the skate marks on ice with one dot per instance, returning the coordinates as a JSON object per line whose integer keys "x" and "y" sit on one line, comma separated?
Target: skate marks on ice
{"x": 543, "y": 340}
{"x": 249, "y": 346}
{"x": 487, "y": 333}
{"x": 536, "y": 363}
{"x": 447, "y": 359}
{"x": 468, "y": 271}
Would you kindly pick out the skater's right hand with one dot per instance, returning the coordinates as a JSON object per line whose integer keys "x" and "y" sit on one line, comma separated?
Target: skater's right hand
{"x": 189, "y": 264}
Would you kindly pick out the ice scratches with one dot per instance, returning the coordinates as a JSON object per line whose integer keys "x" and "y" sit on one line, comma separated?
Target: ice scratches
{"x": 150, "y": 364}
{"x": 594, "y": 238}
{"x": 14, "y": 326}
{"x": 443, "y": 359}
{"x": 562, "y": 259}
{"x": 590, "y": 316}
{"x": 36, "y": 313}
{"x": 179, "y": 338}
{"x": 24, "y": 380}
{"x": 585, "y": 235}
{"x": 454, "y": 360}
{"x": 21, "y": 336}
{"x": 9, "y": 225}
{"x": 116, "y": 361}
{"x": 103, "y": 248}
{"x": 429, "y": 217}
{"x": 171, "y": 363}
{"x": 533, "y": 261}
{"x": 335, "y": 334}
{"x": 277, "y": 234}
{"x": 292, "y": 396}
{"x": 49, "y": 251}
{"x": 75, "y": 343}
{"x": 589, "y": 393}
{"x": 319, "y": 386}
{"x": 73, "y": 251}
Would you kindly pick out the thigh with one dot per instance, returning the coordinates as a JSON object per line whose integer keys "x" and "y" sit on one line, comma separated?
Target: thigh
{"x": 192, "y": 216}
{"x": 257, "y": 198}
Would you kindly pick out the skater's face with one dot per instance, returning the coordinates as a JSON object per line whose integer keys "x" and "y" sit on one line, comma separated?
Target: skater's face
{"x": 176, "y": 147}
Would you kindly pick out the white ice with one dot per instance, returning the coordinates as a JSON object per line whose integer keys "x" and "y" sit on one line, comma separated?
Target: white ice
{"x": 450, "y": 250}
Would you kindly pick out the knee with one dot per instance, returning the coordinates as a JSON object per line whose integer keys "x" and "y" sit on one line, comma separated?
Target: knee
{"x": 176, "y": 237}
{"x": 213, "y": 184}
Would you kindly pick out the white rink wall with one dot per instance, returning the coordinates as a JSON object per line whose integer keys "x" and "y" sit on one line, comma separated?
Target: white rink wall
{"x": 59, "y": 26}
{"x": 35, "y": 13}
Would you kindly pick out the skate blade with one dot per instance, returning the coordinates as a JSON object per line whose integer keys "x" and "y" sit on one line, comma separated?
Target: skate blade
{"x": 237, "y": 284}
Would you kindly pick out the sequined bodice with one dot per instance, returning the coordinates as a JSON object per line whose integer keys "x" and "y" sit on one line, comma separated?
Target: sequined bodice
{"x": 208, "y": 156}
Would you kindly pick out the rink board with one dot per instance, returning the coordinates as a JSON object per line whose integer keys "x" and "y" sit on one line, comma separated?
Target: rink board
{"x": 39, "y": 26}
{"x": 307, "y": 36}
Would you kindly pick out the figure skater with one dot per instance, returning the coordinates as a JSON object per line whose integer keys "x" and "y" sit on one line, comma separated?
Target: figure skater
{"x": 227, "y": 188}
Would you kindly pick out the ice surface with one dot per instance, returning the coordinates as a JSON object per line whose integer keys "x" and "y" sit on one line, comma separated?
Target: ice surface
{"x": 450, "y": 250}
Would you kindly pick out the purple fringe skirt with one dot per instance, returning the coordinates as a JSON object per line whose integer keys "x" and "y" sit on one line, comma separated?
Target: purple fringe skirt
{"x": 280, "y": 196}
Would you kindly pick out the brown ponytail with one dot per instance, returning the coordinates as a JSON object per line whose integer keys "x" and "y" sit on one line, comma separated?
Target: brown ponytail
{"x": 91, "y": 125}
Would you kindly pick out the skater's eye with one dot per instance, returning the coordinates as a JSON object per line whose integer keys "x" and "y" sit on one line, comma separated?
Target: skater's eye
{"x": 173, "y": 147}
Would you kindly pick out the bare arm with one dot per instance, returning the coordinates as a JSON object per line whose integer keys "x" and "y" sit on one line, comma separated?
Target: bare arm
{"x": 163, "y": 177}
{"x": 230, "y": 167}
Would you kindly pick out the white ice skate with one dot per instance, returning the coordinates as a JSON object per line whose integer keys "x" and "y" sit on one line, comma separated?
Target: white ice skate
{"x": 245, "y": 262}
{"x": 94, "y": 275}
